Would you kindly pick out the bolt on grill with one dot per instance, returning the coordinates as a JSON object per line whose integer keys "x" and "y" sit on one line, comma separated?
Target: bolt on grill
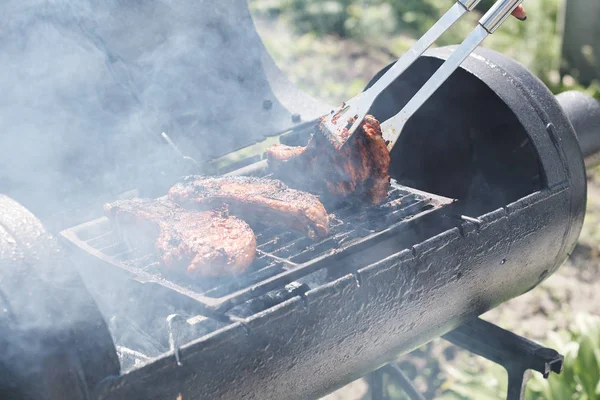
{"x": 282, "y": 256}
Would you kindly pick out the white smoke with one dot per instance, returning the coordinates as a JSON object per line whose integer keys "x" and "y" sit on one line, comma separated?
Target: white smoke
{"x": 89, "y": 85}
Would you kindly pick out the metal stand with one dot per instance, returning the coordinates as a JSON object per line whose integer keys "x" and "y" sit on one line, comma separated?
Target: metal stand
{"x": 378, "y": 387}
{"x": 515, "y": 353}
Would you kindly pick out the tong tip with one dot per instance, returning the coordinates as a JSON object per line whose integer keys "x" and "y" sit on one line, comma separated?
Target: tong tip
{"x": 336, "y": 140}
{"x": 337, "y": 136}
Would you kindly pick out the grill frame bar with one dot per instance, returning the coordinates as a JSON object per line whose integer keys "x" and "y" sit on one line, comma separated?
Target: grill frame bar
{"x": 217, "y": 306}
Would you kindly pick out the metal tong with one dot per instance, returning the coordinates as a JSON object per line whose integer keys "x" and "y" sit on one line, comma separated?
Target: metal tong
{"x": 339, "y": 125}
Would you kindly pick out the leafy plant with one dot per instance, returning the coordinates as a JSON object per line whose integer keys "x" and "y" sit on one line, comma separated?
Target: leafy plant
{"x": 580, "y": 378}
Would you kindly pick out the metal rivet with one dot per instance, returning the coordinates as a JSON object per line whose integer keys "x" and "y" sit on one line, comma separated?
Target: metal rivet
{"x": 267, "y": 104}
{"x": 296, "y": 118}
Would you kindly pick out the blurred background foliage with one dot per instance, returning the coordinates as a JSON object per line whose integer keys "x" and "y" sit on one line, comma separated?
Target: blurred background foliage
{"x": 579, "y": 379}
{"x": 327, "y": 30}
{"x": 332, "y": 48}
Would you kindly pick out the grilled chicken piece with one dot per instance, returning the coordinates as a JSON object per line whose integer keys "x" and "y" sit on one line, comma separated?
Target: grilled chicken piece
{"x": 359, "y": 168}
{"x": 197, "y": 244}
{"x": 255, "y": 200}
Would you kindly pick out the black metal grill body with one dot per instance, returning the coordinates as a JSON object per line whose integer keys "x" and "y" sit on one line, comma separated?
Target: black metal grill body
{"x": 529, "y": 202}
{"x": 54, "y": 341}
{"x": 337, "y": 333}
{"x": 310, "y": 345}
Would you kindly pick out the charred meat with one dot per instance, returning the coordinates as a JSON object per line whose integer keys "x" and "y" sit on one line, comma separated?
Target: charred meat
{"x": 196, "y": 244}
{"x": 359, "y": 169}
{"x": 255, "y": 200}
{"x": 279, "y": 153}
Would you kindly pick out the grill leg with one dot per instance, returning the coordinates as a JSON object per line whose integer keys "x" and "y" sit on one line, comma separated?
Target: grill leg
{"x": 376, "y": 385}
{"x": 515, "y": 353}
{"x": 517, "y": 382}
{"x": 399, "y": 377}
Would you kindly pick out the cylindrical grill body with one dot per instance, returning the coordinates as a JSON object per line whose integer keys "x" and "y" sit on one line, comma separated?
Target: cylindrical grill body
{"x": 55, "y": 343}
{"x": 309, "y": 346}
{"x": 493, "y": 136}
{"x": 584, "y": 113}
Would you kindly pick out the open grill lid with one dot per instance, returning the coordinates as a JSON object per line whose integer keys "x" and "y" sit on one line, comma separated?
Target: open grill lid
{"x": 196, "y": 70}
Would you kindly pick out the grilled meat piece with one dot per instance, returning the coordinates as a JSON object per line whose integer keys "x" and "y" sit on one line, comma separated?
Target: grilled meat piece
{"x": 255, "y": 200}
{"x": 281, "y": 153}
{"x": 197, "y": 244}
{"x": 359, "y": 168}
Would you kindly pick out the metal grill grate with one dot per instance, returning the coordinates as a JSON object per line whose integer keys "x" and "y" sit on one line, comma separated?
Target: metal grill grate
{"x": 282, "y": 256}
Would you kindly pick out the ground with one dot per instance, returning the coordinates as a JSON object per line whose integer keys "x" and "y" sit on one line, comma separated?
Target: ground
{"x": 335, "y": 69}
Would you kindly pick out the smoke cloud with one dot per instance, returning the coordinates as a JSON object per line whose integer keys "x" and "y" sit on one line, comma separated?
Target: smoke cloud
{"x": 88, "y": 86}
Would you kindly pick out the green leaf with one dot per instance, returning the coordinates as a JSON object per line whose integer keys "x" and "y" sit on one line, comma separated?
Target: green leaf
{"x": 558, "y": 388}
{"x": 475, "y": 390}
{"x": 589, "y": 327}
{"x": 587, "y": 368}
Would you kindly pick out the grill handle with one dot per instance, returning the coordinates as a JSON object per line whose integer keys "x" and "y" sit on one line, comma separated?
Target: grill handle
{"x": 584, "y": 113}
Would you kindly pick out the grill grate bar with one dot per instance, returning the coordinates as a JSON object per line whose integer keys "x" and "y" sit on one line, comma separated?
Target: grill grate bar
{"x": 256, "y": 277}
{"x": 282, "y": 256}
{"x": 274, "y": 257}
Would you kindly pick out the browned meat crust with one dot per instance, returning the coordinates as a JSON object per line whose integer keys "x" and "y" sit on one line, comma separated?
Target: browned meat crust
{"x": 359, "y": 168}
{"x": 280, "y": 152}
{"x": 197, "y": 244}
{"x": 255, "y": 199}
